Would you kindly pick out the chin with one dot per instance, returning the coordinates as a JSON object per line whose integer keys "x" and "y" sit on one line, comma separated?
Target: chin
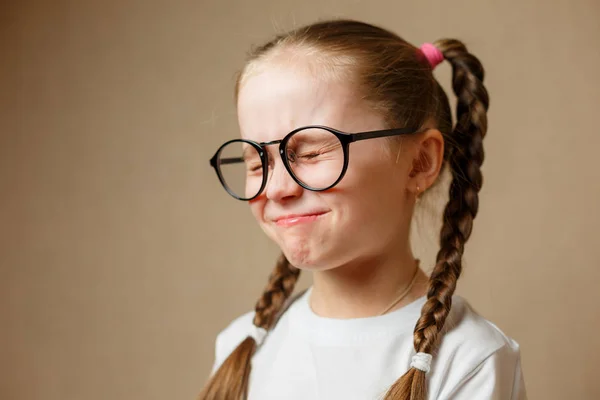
{"x": 305, "y": 250}
{"x": 299, "y": 255}
{"x": 298, "y": 252}
{"x": 306, "y": 257}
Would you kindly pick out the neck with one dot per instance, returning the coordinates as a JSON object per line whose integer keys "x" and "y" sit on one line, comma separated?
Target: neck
{"x": 365, "y": 288}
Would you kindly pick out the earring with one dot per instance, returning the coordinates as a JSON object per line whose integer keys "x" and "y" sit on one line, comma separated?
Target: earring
{"x": 417, "y": 198}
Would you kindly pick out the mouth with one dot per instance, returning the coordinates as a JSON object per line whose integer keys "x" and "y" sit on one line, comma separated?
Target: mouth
{"x": 298, "y": 219}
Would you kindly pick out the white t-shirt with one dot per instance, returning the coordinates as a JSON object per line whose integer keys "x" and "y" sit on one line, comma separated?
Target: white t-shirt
{"x": 308, "y": 357}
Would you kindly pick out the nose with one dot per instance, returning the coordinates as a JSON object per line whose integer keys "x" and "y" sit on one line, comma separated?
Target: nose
{"x": 280, "y": 184}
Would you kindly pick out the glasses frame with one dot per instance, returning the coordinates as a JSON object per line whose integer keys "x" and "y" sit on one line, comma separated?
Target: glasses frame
{"x": 344, "y": 138}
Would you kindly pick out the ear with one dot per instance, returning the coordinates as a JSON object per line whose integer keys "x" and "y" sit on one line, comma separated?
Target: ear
{"x": 428, "y": 159}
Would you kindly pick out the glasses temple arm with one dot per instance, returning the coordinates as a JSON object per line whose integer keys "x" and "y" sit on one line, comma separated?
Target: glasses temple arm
{"x": 231, "y": 160}
{"x": 382, "y": 133}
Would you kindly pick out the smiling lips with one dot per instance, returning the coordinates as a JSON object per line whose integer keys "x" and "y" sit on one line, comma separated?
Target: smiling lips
{"x": 297, "y": 219}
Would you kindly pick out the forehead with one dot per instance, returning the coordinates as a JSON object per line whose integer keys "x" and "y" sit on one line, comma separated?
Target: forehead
{"x": 279, "y": 97}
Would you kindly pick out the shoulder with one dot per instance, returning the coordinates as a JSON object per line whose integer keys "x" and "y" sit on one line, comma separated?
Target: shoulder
{"x": 230, "y": 337}
{"x": 239, "y": 329}
{"x": 473, "y": 351}
{"x": 467, "y": 328}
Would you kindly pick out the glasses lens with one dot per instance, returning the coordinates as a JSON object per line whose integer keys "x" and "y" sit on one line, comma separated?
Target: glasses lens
{"x": 316, "y": 157}
{"x": 241, "y": 168}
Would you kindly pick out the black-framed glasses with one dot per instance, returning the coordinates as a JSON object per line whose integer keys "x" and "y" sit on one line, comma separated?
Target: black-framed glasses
{"x": 315, "y": 156}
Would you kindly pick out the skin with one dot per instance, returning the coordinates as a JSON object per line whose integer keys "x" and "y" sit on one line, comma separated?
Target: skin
{"x": 355, "y": 236}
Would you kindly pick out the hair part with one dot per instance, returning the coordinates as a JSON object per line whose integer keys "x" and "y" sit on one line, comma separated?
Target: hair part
{"x": 396, "y": 80}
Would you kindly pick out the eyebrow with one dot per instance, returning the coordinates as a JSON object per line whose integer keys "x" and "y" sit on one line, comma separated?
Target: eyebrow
{"x": 311, "y": 139}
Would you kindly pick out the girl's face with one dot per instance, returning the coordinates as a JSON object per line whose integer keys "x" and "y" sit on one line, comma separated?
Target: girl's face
{"x": 367, "y": 213}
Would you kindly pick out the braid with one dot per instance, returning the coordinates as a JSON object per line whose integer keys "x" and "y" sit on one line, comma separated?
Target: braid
{"x": 230, "y": 381}
{"x": 280, "y": 287}
{"x": 465, "y": 159}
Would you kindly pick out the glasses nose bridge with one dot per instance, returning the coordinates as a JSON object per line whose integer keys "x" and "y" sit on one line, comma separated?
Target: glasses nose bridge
{"x": 272, "y": 160}
{"x": 271, "y": 143}
{"x": 264, "y": 145}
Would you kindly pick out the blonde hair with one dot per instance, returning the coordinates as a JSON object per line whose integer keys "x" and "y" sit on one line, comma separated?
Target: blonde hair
{"x": 394, "y": 78}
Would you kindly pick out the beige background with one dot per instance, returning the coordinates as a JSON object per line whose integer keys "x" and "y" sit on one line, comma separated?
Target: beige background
{"x": 121, "y": 257}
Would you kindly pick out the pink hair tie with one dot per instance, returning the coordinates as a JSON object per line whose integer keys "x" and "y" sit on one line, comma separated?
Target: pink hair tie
{"x": 432, "y": 54}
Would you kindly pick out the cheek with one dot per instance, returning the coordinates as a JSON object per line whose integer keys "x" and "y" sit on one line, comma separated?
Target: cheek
{"x": 375, "y": 191}
{"x": 373, "y": 172}
{"x": 256, "y": 207}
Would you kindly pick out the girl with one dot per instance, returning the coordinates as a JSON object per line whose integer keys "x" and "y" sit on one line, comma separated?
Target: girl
{"x": 343, "y": 128}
